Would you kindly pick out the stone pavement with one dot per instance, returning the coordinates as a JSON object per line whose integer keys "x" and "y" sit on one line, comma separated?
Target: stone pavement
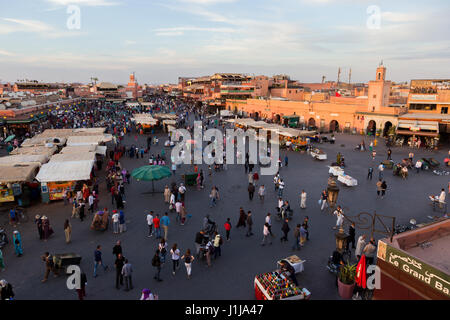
{"x": 231, "y": 276}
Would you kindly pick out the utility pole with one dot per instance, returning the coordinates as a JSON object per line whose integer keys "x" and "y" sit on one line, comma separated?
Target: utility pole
{"x": 350, "y": 76}
{"x": 323, "y": 79}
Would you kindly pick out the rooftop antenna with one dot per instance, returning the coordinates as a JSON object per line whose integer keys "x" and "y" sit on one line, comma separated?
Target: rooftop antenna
{"x": 350, "y": 76}
{"x": 339, "y": 76}
{"x": 323, "y": 79}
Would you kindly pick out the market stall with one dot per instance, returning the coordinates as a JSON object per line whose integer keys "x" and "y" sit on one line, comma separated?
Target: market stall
{"x": 55, "y": 177}
{"x": 295, "y": 262}
{"x": 14, "y": 179}
{"x": 23, "y": 159}
{"x": 88, "y": 140}
{"x": 318, "y": 154}
{"x": 336, "y": 171}
{"x": 277, "y": 286}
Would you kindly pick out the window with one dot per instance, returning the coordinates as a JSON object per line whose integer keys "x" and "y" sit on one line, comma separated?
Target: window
{"x": 420, "y": 106}
{"x": 374, "y": 96}
{"x": 444, "y": 110}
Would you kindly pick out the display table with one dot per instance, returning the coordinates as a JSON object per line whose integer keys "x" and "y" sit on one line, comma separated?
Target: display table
{"x": 276, "y": 286}
{"x": 336, "y": 171}
{"x": 318, "y": 154}
{"x": 347, "y": 180}
{"x": 295, "y": 262}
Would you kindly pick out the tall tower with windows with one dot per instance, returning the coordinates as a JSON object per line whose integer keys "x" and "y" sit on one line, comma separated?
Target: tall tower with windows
{"x": 379, "y": 90}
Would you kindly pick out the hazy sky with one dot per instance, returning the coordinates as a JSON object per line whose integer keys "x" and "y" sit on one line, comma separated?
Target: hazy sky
{"x": 163, "y": 39}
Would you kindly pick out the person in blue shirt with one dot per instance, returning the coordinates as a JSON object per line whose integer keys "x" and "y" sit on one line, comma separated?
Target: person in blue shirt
{"x": 98, "y": 260}
{"x": 17, "y": 240}
{"x": 165, "y": 221}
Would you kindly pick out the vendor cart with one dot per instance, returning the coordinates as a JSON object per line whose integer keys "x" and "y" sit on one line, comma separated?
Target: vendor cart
{"x": 277, "y": 286}
{"x": 295, "y": 262}
{"x": 336, "y": 171}
{"x": 347, "y": 180}
{"x": 318, "y": 154}
{"x": 63, "y": 260}
{"x": 388, "y": 164}
{"x": 100, "y": 221}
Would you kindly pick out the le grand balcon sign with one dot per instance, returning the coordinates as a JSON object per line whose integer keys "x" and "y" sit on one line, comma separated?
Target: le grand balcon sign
{"x": 417, "y": 269}
{"x": 423, "y": 97}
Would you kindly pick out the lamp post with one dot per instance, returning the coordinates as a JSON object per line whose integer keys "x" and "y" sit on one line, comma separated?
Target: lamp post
{"x": 333, "y": 192}
{"x": 341, "y": 240}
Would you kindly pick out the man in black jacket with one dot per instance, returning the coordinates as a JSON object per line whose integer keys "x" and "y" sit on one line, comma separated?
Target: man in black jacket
{"x": 285, "y": 228}
{"x": 6, "y": 291}
{"x": 120, "y": 261}
{"x": 351, "y": 236}
{"x": 199, "y": 240}
{"x": 251, "y": 191}
{"x": 156, "y": 262}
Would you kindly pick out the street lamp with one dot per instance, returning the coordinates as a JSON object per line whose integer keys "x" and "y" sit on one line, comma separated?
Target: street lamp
{"x": 341, "y": 240}
{"x": 333, "y": 192}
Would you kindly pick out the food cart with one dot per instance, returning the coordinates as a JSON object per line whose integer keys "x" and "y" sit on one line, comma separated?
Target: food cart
{"x": 295, "y": 262}
{"x": 62, "y": 261}
{"x": 336, "y": 171}
{"x": 15, "y": 180}
{"x": 347, "y": 180}
{"x": 277, "y": 286}
{"x": 318, "y": 154}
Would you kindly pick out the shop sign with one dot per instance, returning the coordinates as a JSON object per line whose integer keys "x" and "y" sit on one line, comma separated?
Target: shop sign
{"x": 334, "y": 114}
{"x": 417, "y": 269}
{"x": 427, "y": 97}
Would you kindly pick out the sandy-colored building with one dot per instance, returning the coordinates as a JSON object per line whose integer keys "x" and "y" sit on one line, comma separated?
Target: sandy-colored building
{"x": 330, "y": 113}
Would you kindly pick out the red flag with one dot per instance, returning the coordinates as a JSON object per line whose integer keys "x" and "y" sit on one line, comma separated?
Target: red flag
{"x": 338, "y": 94}
{"x": 361, "y": 276}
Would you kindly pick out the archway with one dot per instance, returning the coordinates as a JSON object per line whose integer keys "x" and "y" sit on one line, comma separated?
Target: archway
{"x": 387, "y": 127}
{"x": 256, "y": 116}
{"x": 311, "y": 122}
{"x": 371, "y": 127}
{"x": 334, "y": 126}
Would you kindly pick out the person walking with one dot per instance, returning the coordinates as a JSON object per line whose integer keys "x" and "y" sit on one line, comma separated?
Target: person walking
{"x": 167, "y": 194}
{"x": 285, "y": 228}
{"x": 91, "y": 203}
{"x": 165, "y": 222}
{"x": 67, "y": 230}
{"x": 418, "y": 166}
{"x": 323, "y": 199}
{"x": 383, "y": 189}
{"x": 150, "y": 224}
{"x": 389, "y": 154}
{"x": 122, "y": 222}
{"x": 251, "y": 191}
{"x": 370, "y": 173}
{"x": 249, "y": 224}
{"x": 262, "y": 192}
{"x": 127, "y": 271}
{"x": 379, "y": 183}
{"x": 360, "y": 245}
{"x": 296, "y": 245}
{"x": 115, "y": 222}
{"x": 306, "y": 226}
{"x": 175, "y": 253}
{"x": 162, "y": 247}
{"x": 227, "y": 227}
{"x": 242, "y": 218}
{"x": 286, "y": 160}
{"x": 217, "y": 245}
{"x": 303, "y": 234}
{"x": 47, "y": 229}
{"x": 157, "y": 225}
{"x": 280, "y": 188}
{"x": 156, "y": 262}
{"x": 351, "y": 236}
{"x": 268, "y": 220}
{"x": 339, "y": 217}
{"x": 266, "y": 234}
{"x": 38, "y": 221}
{"x": 188, "y": 259}
{"x": 49, "y": 266}
{"x": 17, "y": 240}
{"x": 82, "y": 290}
{"x": 303, "y": 199}
{"x": 380, "y": 171}
{"x": 117, "y": 249}
{"x": 98, "y": 260}
{"x": 369, "y": 251}
{"x": 119, "y": 263}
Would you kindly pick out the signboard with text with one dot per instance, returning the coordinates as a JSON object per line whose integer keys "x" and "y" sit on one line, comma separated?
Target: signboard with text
{"x": 417, "y": 269}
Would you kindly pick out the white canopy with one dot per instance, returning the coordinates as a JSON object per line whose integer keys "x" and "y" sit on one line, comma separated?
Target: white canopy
{"x": 23, "y": 159}
{"x": 64, "y": 157}
{"x": 65, "y": 171}
{"x": 87, "y": 140}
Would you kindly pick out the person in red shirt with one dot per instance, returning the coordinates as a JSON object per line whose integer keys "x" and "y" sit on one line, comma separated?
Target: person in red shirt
{"x": 113, "y": 193}
{"x": 157, "y": 226}
{"x": 227, "y": 226}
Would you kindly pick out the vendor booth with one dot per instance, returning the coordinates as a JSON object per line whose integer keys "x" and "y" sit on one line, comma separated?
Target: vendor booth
{"x": 55, "y": 177}
{"x": 278, "y": 286}
{"x": 318, "y": 154}
{"x": 15, "y": 182}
